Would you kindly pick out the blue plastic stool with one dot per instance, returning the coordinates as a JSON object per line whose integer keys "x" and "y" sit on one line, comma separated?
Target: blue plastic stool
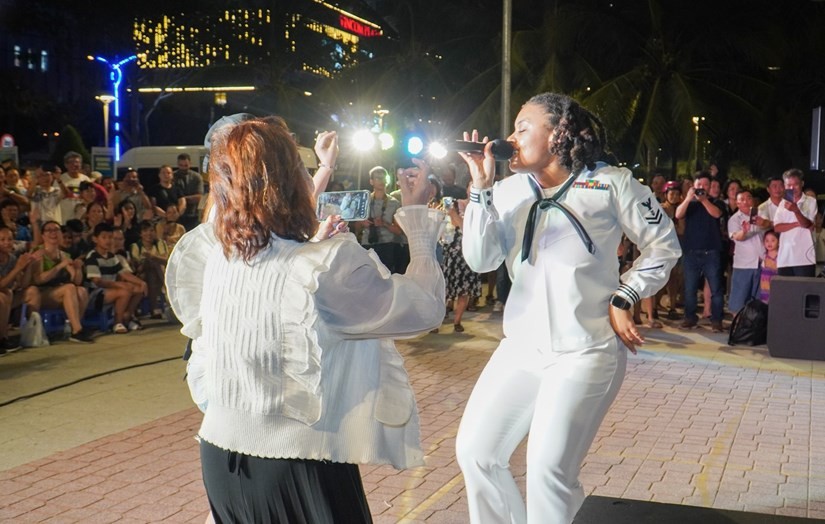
{"x": 54, "y": 320}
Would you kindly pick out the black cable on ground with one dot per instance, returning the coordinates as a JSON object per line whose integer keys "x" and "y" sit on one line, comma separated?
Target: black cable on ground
{"x": 83, "y": 379}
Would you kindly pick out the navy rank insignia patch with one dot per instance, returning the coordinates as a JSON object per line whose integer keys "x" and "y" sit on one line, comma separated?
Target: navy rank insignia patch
{"x": 650, "y": 211}
{"x": 591, "y": 184}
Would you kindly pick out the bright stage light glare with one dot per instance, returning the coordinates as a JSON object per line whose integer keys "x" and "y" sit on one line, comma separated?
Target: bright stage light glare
{"x": 437, "y": 150}
{"x": 415, "y": 145}
{"x": 386, "y": 140}
{"x": 363, "y": 140}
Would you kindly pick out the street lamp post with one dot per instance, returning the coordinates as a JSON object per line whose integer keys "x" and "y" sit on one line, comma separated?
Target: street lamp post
{"x": 106, "y": 100}
{"x": 115, "y": 77}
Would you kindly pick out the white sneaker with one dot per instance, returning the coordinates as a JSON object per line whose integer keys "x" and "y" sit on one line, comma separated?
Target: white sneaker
{"x": 498, "y": 307}
{"x": 119, "y": 329}
{"x": 134, "y": 325}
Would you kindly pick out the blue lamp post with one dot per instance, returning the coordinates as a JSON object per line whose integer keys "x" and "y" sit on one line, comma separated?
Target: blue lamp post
{"x": 115, "y": 77}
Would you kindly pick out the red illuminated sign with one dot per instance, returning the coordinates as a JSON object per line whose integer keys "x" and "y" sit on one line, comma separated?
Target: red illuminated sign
{"x": 354, "y": 26}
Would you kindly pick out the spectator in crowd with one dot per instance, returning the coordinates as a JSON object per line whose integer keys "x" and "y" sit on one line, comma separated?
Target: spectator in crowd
{"x": 108, "y": 184}
{"x": 448, "y": 185}
{"x": 462, "y": 283}
{"x": 95, "y": 214}
{"x": 149, "y": 256}
{"x": 675, "y": 283}
{"x": 13, "y": 184}
{"x": 380, "y": 232}
{"x": 9, "y": 213}
{"x": 120, "y": 287}
{"x": 702, "y": 245}
{"x": 125, "y": 217}
{"x": 70, "y": 182}
{"x": 11, "y": 193}
{"x": 77, "y": 246}
{"x": 767, "y": 209}
{"x": 131, "y": 190}
{"x": 168, "y": 229}
{"x": 190, "y": 184}
{"x": 748, "y": 241}
{"x": 119, "y": 249}
{"x": 819, "y": 243}
{"x": 657, "y": 185}
{"x": 794, "y": 220}
{"x": 14, "y": 285}
{"x": 732, "y": 188}
{"x": 59, "y": 279}
{"x": 166, "y": 193}
{"x": 769, "y": 269}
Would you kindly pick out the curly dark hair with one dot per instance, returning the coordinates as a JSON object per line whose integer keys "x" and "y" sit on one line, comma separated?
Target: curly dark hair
{"x": 260, "y": 187}
{"x": 580, "y": 138}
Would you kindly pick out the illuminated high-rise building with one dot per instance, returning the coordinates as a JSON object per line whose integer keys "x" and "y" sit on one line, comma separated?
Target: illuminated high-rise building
{"x": 315, "y": 37}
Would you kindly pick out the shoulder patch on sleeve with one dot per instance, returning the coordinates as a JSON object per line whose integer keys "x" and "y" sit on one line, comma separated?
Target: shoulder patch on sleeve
{"x": 650, "y": 211}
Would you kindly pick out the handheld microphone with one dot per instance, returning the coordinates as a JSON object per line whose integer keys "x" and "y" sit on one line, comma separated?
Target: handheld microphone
{"x": 502, "y": 149}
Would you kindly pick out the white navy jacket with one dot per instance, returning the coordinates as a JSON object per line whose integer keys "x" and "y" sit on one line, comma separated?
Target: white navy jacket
{"x": 560, "y": 296}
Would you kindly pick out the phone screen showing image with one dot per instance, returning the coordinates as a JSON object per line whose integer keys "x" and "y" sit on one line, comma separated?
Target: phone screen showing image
{"x": 789, "y": 195}
{"x": 351, "y": 205}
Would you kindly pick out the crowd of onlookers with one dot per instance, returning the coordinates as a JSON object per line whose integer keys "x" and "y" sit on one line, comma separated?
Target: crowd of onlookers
{"x": 77, "y": 241}
{"x": 734, "y": 240}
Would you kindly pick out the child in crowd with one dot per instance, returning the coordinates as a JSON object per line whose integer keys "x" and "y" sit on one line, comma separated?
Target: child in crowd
{"x": 105, "y": 270}
{"x": 168, "y": 229}
{"x": 769, "y": 270}
{"x": 79, "y": 247}
{"x": 14, "y": 277}
{"x": 150, "y": 255}
{"x": 119, "y": 249}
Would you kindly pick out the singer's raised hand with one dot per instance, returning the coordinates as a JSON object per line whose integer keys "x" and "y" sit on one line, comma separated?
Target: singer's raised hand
{"x": 482, "y": 165}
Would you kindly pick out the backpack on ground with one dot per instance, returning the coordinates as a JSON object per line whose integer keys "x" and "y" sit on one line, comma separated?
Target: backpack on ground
{"x": 750, "y": 325}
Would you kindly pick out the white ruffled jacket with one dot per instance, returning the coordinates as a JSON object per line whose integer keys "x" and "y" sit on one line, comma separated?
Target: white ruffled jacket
{"x": 293, "y": 354}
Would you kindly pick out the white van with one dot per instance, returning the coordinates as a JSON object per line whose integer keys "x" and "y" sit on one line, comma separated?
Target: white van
{"x": 147, "y": 160}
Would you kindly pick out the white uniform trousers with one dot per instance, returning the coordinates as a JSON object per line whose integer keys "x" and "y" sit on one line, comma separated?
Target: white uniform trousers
{"x": 561, "y": 398}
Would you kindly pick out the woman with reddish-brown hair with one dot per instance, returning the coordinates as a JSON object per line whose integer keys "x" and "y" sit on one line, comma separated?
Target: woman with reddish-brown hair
{"x": 292, "y": 358}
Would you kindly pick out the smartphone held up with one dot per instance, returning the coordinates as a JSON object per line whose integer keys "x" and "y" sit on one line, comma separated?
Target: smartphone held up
{"x": 350, "y": 205}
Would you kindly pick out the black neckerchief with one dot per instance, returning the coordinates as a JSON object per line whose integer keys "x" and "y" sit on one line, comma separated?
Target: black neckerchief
{"x": 542, "y": 204}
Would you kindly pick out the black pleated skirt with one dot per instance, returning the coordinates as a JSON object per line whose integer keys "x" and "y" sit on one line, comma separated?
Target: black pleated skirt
{"x": 247, "y": 489}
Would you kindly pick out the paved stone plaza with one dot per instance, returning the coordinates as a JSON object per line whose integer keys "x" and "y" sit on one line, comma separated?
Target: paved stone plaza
{"x": 696, "y": 423}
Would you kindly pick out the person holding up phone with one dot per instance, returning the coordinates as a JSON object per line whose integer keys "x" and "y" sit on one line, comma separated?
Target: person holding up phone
{"x": 748, "y": 241}
{"x": 793, "y": 220}
{"x": 292, "y": 355}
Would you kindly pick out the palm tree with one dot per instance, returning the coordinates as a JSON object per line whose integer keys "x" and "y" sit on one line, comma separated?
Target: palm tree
{"x": 679, "y": 66}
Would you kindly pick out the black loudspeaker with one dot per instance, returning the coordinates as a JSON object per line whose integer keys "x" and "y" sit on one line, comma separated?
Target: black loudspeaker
{"x": 817, "y": 139}
{"x": 796, "y": 318}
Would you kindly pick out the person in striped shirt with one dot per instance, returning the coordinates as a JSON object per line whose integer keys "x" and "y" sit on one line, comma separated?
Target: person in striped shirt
{"x": 120, "y": 286}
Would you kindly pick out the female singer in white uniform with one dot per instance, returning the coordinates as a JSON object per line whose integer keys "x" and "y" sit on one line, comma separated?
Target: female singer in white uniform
{"x": 556, "y": 223}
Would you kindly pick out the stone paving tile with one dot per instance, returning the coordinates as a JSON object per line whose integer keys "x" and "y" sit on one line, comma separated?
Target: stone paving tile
{"x": 730, "y": 429}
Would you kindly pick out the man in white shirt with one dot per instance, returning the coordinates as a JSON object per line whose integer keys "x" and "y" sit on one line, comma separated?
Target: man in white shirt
{"x": 748, "y": 238}
{"x": 767, "y": 209}
{"x": 70, "y": 180}
{"x": 793, "y": 221}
